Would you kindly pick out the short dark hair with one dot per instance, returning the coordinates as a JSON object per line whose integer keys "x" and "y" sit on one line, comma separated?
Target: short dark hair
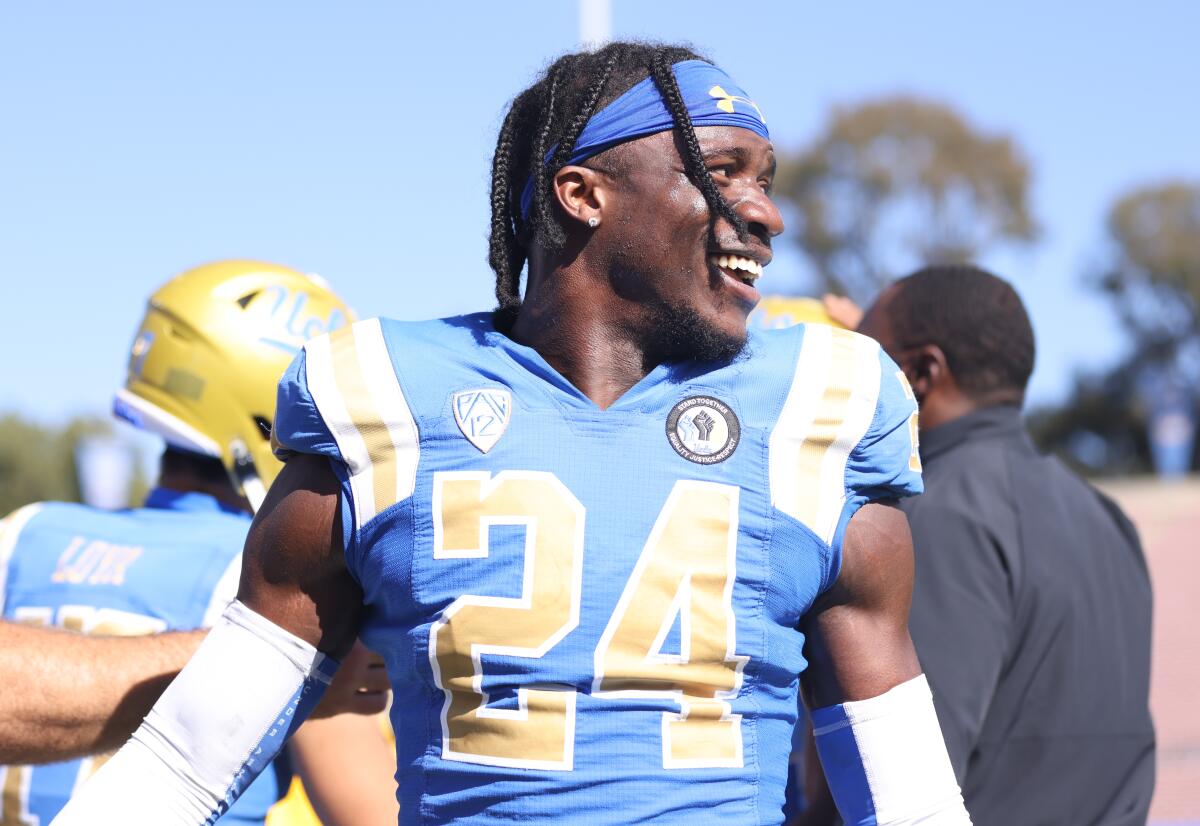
{"x": 551, "y": 114}
{"x": 978, "y": 321}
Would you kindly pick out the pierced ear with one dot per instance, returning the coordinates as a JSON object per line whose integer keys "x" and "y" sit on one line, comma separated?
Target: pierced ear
{"x": 926, "y": 369}
{"x": 580, "y": 193}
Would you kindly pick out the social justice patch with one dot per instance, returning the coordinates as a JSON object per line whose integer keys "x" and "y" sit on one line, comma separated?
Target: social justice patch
{"x": 703, "y": 430}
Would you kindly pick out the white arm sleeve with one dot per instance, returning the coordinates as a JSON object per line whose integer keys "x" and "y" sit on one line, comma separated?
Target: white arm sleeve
{"x": 219, "y": 723}
{"x": 886, "y": 761}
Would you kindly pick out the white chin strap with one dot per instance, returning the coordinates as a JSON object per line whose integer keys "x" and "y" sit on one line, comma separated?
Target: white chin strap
{"x": 254, "y": 491}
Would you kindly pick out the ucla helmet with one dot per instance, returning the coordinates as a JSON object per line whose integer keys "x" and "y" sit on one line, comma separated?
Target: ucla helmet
{"x": 209, "y": 354}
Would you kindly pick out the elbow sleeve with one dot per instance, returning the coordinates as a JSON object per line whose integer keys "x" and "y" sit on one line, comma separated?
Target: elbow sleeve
{"x": 218, "y": 724}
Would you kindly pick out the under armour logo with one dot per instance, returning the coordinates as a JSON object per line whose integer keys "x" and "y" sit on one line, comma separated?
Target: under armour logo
{"x": 725, "y": 101}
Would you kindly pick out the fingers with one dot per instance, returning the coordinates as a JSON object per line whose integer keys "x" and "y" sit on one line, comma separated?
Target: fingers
{"x": 361, "y": 685}
{"x": 843, "y": 310}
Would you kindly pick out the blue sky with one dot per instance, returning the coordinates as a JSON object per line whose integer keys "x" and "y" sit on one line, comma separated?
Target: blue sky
{"x": 353, "y": 140}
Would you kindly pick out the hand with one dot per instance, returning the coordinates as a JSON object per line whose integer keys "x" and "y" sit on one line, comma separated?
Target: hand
{"x": 360, "y": 686}
{"x": 843, "y": 310}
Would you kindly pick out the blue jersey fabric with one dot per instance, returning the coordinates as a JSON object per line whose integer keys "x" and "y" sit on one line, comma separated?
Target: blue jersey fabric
{"x": 409, "y": 413}
{"x": 172, "y": 564}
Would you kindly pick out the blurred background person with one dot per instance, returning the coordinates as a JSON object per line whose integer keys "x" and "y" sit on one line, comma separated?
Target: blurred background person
{"x": 1031, "y": 608}
{"x": 202, "y": 374}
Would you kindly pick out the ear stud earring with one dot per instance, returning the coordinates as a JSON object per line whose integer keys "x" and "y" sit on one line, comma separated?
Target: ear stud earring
{"x": 593, "y": 222}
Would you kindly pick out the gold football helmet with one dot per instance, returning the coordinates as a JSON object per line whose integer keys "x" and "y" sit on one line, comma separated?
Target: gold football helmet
{"x": 208, "y": 356}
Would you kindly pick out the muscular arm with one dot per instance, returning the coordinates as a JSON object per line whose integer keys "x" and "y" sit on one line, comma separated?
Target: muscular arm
{"x": 857, "y": 641}
{"x": 68, "y": 695}
{"x": 293, "y": 571}
{"x": 877, "y": 733}
{"x": 255, "y": 677}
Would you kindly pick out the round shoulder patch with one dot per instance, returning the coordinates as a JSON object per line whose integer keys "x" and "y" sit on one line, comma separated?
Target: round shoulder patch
{"x": 703, "y": 430}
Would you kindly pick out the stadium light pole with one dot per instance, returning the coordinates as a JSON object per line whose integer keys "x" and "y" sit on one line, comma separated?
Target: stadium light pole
{"x": 595, "y": 23}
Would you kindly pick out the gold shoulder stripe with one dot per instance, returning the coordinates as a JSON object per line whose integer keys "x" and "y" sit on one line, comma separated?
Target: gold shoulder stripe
{"x": 381, "y": 456}
{"x": 828, "y": 410}
{"x": 826, "y": 424}
{"x": 354, "y": 384}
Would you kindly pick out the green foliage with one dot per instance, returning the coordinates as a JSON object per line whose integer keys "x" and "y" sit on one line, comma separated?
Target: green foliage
{"x": 1153, "y": 270}
{"x": 1101, "y": 430}
{"x": 899, "y": 182}
{"x": 38, "y": 463}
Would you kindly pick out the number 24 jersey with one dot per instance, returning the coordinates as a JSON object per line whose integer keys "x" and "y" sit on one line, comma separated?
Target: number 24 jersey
{"x": 591, "y": 615}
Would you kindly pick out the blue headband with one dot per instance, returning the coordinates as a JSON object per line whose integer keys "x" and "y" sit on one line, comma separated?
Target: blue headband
{"x": 710, "y": 96}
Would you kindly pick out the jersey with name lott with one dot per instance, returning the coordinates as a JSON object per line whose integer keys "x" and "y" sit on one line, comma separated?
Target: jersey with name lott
{"x": 590, "y": 615}
{"x": 172, "y": 564}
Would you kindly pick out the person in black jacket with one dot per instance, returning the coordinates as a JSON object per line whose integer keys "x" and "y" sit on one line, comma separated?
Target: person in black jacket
{"x": 1031, "y": 610}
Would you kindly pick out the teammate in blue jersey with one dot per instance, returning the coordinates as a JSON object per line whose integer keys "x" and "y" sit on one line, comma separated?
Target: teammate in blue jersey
{"x": 600, "y": 535}
{"x": 201, "y": 374}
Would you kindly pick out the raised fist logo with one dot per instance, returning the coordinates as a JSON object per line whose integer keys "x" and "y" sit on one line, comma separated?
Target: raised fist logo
{"x": 704, "y": 423}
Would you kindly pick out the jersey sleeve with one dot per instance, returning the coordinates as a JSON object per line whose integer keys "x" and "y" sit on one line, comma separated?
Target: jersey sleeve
{"x": 299, "y": 426}
{"x": 884, "y": 464}
{"x": 341, "y": 398}
{"x": 845, "y": 434}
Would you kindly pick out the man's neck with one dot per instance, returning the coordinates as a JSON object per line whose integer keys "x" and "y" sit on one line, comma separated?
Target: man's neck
{"x": 568, "y": 320}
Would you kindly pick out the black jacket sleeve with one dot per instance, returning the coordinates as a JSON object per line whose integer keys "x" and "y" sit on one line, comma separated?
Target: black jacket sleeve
{"x": 961, "y": 620}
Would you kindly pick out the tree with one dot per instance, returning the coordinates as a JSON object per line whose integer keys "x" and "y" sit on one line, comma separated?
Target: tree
{"x": 1152, "y": 273}
{"x": 39, "y": 464}
{"x": 899, "y": 182}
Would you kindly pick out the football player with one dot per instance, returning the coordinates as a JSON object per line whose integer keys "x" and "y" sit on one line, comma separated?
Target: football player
{"x": 598, "y": 534}
{"x": 202, "y": 373}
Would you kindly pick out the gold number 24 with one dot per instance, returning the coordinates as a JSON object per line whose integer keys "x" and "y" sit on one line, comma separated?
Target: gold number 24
{"x": 686, "y": 569}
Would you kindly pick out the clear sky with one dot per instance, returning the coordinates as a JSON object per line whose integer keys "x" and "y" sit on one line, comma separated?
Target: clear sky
{"x": 353, "y": 140}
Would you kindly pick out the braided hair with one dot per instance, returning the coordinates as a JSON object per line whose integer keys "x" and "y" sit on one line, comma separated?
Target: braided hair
{"x": 553, "y": 113}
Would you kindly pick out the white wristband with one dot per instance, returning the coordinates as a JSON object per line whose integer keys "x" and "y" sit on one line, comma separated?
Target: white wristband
{"x": 886, "y": 761}
{"x": 218, "y": 724}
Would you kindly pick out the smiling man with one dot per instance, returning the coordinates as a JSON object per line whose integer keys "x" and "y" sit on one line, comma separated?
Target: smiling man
{"x": 599, "y": 533}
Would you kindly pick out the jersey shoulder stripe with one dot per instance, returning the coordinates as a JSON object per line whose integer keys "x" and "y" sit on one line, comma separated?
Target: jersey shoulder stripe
{"x": 843, "y": 435}
{"x": 341, "y": 398}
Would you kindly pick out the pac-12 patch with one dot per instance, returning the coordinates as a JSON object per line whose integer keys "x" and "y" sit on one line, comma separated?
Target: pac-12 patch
{"x": 703, "y": 430}
{"x": 483, "y": 415}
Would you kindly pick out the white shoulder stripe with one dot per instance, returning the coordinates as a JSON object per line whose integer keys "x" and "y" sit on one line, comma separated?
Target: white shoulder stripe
{"x": 796, "y": 419}
{"x": 857, "y": 418}
{"x": 352, "y": 380}
{"x": 10, "y": 530}
{"x": 389, "y": 401}
{"x": 829, "y": 408}
{"x": 323, "y": 387}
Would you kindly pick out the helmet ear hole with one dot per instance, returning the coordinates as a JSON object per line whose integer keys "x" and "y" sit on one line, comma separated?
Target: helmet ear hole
{"x": 264, "y": 426}
{"x": 245, "y": 300}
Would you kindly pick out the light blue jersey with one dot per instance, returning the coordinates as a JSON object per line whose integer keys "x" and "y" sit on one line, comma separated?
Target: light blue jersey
{"x": 173, "y": 564}
{"x": 589, "y": 616}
